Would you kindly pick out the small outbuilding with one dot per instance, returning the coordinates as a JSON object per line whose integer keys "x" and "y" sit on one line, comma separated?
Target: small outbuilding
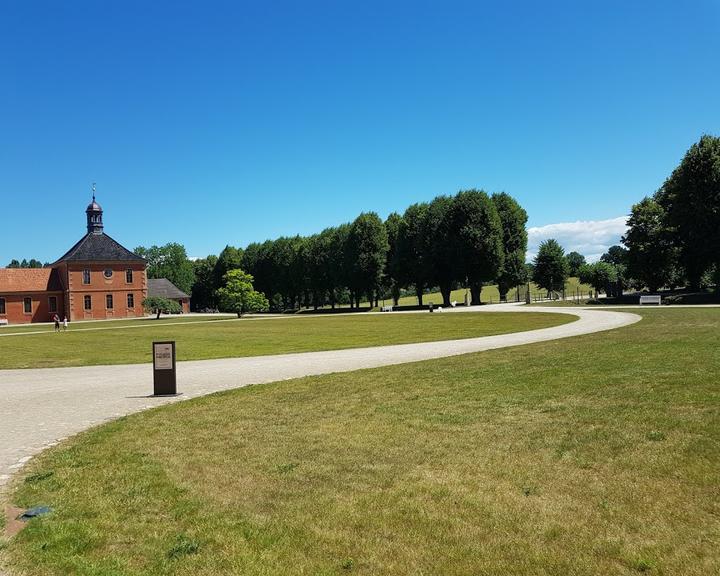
{"x": 163, "y": 288}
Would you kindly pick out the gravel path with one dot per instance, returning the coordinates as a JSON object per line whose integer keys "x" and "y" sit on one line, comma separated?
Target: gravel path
{"x": 40, "y": 407}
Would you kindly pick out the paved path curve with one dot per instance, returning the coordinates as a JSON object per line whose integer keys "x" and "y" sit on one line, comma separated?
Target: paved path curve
{"x": 40, "y": 407}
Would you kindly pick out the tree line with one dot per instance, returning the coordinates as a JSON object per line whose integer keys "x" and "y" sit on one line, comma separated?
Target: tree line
{"x": 32, "y": 263}
{"x": 672, "y": 240}
{"x": 468, "y": 239}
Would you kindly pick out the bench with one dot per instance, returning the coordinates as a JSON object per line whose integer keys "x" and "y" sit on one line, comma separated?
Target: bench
{"x": 386, "y": 309}
{"x": 651, "y": 299}
{"x": 3, "y": 322}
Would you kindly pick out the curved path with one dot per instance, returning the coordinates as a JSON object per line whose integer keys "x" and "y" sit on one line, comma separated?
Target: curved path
{"x": 40, "y": 407}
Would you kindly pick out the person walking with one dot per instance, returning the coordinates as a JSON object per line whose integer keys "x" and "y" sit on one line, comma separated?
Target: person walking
{"x": 65, "y": 324}
{"x": 56, "y": 319}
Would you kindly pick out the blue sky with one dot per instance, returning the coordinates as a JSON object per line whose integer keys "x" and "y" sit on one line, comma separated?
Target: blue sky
{"x": 214, "y": 123}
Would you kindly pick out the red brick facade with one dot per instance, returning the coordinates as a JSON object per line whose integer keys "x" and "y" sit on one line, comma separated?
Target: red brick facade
{"x": 124, "y": 282}
{"x": 14, "y": 306}
{"x": 96, "y": 279}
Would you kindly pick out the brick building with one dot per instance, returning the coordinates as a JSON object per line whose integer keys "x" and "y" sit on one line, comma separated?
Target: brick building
{"x": 97, "y": 278}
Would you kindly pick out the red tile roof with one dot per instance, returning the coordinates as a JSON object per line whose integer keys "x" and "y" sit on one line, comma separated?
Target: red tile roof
{"x": 29, "y": 280}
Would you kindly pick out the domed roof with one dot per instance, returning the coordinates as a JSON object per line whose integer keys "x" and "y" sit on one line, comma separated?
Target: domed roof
{"x": 93, "y": 206}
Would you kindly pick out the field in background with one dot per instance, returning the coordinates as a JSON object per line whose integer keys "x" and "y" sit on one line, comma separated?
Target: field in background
{"x": 489, "y": 294}
{"x": 591, "y": 456}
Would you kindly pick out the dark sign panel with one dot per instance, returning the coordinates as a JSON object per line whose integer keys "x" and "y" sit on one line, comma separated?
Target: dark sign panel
{"x": 164, "y": 381}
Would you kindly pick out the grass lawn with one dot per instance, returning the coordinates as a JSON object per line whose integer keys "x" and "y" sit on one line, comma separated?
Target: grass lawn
{"x": 596, "y": 455}
{"x": 106, "y": 324}
{"x": 251, "y": 337}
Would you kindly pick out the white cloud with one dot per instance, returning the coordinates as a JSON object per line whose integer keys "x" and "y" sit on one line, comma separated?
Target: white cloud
{"x": 591, "y": 238}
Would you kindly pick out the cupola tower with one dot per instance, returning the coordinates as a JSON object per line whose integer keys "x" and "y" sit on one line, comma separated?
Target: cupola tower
{"x": 94, "y": 216}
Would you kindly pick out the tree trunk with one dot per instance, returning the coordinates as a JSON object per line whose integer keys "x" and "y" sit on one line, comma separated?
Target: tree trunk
{"x": 503, "y": 289}
{"x": 475, "y": 289}
{"x": 158, "y": 314}
{"x": 419, "y": 293}
{"x": 445, "y": 291}
{"x": 395, "y": 295}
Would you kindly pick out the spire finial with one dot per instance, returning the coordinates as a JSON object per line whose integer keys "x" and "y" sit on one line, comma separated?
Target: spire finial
{"x": 93, "y": 191}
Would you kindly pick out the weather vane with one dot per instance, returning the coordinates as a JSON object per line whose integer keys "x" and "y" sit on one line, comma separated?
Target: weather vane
{"x": 93, "y": 190}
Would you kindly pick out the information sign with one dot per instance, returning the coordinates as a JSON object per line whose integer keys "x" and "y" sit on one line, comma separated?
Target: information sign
{"x": 164, "y": 381}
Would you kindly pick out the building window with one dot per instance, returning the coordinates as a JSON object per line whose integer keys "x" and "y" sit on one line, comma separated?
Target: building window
{"x": 27, "y": 305}
{"x": 131, "y": 301}
{"x": 88, "y": 302}
{"x": 52, "y": 303}
{"x": 2, "y": 305}
{"x": 86, "y": 276}
{"x": 108, "y": 272}
{"x": 108, "y": 302}
{"x": 128, "y": 276}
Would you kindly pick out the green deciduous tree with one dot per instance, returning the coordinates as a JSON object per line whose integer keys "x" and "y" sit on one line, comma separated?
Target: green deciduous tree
{"x": 393, "y": 275}
{"x": 159, "y": 305}
{"x": 513, "y": 219}
{"x": 339, "y": 273}
{"x": 690, "y": 198}
{"x": 575, "y": 260}
{"x": 203, "y": 290}
{"x": 413, "y": 251}
{"x": 169, "y": 261}
{"x": 33, "y": 263}
{"x": 444, "y": 266}
{"x": 476, "y": 234}
{"x": 365, "y": 252}
{"x": 618, "y": 257}
{"x": 550, "y": 267}
{"x": 651, "y": 256}
{"x": 238, "y": 295}
{"x": 230, "y": 258}
{"x": 601, "y": 276}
